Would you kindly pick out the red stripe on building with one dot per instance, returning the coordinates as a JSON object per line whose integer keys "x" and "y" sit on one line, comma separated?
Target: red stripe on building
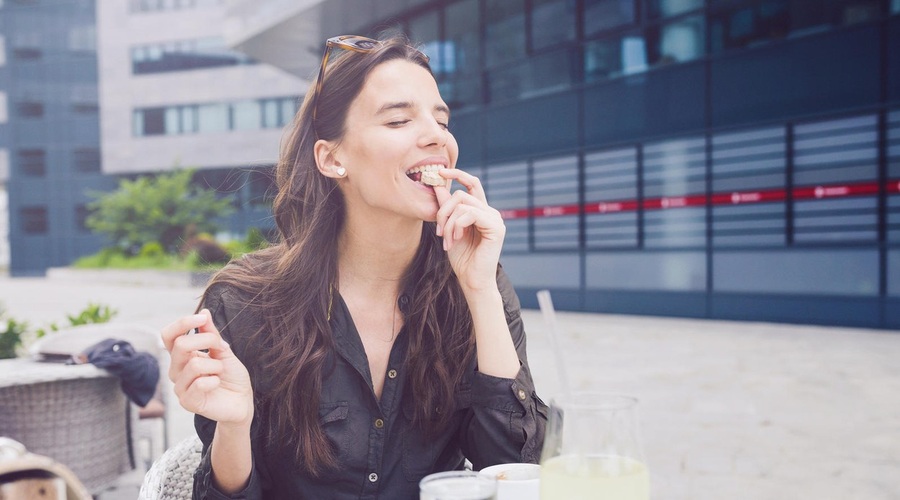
{"x": 609, "y": 207}
{"x": 835, "y": 191}
{"x": 741, "y": 197}
{"x": 735, "y": 198}
{"x": 675, "y": 202}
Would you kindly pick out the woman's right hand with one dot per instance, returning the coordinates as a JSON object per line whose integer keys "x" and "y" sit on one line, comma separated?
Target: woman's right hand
{"x": 214, "y": 384}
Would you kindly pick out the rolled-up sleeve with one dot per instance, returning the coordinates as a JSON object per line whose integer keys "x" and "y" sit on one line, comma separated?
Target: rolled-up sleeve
{"x": 507, "y": 418}
{"x": 204, "y": 489}
{"x": 206, "y": 428}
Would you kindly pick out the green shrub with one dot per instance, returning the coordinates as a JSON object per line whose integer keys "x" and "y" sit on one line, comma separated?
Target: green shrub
{"x": 152, "y": 250}
{"x": 93, "y": 313}
{"x": 156, "y": 209}
{"x": 11, "y": 332}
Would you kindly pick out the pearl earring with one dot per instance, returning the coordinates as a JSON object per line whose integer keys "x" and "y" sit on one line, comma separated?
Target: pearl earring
{"x": 341, "y": 171}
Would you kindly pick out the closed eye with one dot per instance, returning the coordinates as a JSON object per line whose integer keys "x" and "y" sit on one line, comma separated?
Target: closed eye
{"x": 397, "y": 123}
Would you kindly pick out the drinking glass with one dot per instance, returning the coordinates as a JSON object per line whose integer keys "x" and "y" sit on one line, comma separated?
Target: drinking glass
{"x": 592, "y": 450}
{"x": 516, "y": 481}
{"x": 457, "y": 485}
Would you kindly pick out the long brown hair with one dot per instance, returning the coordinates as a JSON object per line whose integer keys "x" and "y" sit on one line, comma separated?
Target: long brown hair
{"x": 292, "y": 281}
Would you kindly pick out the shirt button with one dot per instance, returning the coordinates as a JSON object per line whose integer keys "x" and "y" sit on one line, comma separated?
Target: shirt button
{"x": 392, "y": 373}
{"x": 522, "y": 394}
{"x": 379, "y": 423}
{"x": 373, "y": 477}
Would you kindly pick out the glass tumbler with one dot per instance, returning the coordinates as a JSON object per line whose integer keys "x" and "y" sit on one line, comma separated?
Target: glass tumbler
{"x": 457, "y": 485}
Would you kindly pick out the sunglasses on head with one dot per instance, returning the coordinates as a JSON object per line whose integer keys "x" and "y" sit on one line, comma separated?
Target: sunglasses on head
{"x": 353, "y": 43}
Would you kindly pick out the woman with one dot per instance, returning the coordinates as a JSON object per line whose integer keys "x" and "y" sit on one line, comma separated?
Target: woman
{"x": 379, "y": 341}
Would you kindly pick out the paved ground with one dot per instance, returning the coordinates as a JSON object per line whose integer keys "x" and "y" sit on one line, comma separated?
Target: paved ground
{"x": 728, "y": 410}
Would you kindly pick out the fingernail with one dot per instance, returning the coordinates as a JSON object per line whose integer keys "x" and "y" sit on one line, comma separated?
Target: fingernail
{"x": 199, "y": 317}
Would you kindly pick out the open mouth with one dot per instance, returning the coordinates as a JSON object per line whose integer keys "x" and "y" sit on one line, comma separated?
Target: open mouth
{"x": 427, "y": 175}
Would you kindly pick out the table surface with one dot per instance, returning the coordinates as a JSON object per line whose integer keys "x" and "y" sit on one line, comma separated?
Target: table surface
{"x": 24, "y": 371}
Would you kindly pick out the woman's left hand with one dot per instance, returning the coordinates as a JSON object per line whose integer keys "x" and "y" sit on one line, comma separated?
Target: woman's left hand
{"x": 473, "y": 231}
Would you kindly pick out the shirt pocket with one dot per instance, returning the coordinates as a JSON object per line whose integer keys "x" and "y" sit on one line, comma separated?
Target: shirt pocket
{"x": 419, "y": 452}
{"x": 335, "y": 421}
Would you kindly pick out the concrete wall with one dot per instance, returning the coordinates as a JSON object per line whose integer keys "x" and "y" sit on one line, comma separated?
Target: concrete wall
{"x": 121, "y": 92}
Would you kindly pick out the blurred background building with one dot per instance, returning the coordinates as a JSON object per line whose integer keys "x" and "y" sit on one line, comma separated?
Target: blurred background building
{"x": 49, "y": 138}
{"x": 173, "y": 94}
{"x": 731, "y": 159}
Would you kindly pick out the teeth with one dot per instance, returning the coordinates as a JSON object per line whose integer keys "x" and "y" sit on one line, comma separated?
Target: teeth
{"x": 429, "y": 174}
{"x": 425, "y": 168}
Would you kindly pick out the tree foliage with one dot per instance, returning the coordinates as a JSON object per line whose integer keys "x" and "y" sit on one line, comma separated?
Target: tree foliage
{"x": 156, "y": 208}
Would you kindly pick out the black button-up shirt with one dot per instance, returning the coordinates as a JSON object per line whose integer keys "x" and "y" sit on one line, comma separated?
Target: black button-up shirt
{"x": 381, "y": 455}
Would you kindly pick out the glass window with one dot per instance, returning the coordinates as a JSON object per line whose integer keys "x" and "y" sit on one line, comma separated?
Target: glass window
{"x": 749, "y": 25}
{"x": 504, "y": 35}
{"x": 748, "y": 183}
{"x": 678, "y": 41}
{"x": 30, "y": 109}
{"x": 666, "y": 8}
{"x": 184, "y": 55}
{"x": 262, "y": 187}
{"x": 86, "y": 160}
{"x": 611, "y": 198}
{"x": 618, "y": 56}
{"x": 34, "y": 220}
{"x": 288, "y": 110}
{"x": 814, "y": 17}
{"x": 81, "y": 214}
{"x": 538, "y": 75}
{"x": 674, "y": 183}
{"x": 33, "y": 162}
{"x": 173, "y": 121}
{"x": 27, "y": 53}
{"x": 424, "y": 31}
{"x": 507, "y": 188}
{"x": 212, "y": 118}
{"x": 270, "y": 117}
{"x": 555, "y": 201}
{"x": 461, "y": 84}
{"x": 153, "y": 121}
{"x": 552, "y": 22}
{"x": 137, "y": 123}
{"x": 604, "y": 14}
{"x": 246, "y": 115}
{"x": 831, "y": 158}
{"x": 188, "y": 119}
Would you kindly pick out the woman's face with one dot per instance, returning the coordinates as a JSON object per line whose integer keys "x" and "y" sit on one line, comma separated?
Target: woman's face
{"x": 396, "y": 125}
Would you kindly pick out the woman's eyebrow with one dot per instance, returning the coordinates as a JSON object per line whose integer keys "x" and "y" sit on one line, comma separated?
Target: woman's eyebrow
{"x": 440, "y": 108}
{"x": 394, "y": 105}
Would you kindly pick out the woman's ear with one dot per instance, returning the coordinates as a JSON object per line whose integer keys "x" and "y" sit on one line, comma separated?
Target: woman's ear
{"x": 326, "y": 162}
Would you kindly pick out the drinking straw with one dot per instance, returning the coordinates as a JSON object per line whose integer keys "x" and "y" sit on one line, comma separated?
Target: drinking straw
{"x": 555, "y": 336}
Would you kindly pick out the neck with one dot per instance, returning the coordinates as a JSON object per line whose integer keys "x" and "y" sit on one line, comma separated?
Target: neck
{"x": 374, "y": 256}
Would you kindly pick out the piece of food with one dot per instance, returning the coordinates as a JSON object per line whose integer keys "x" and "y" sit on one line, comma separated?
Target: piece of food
{"x": 431, "y": 178}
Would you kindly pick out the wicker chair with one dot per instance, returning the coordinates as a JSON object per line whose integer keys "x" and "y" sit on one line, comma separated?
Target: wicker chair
{"x": 73, "y": 414}
{"x": 74, "y": 340}
{"x": 172, "y": 476}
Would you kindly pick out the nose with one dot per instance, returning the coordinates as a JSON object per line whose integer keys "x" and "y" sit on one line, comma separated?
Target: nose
{"x": 433, "y": 134}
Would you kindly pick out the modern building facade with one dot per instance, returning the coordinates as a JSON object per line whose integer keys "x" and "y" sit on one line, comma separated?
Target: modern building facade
{"x": 174, "y": 95}
{"x": 733, "y": 159}
{"x": 49, "y": 132}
